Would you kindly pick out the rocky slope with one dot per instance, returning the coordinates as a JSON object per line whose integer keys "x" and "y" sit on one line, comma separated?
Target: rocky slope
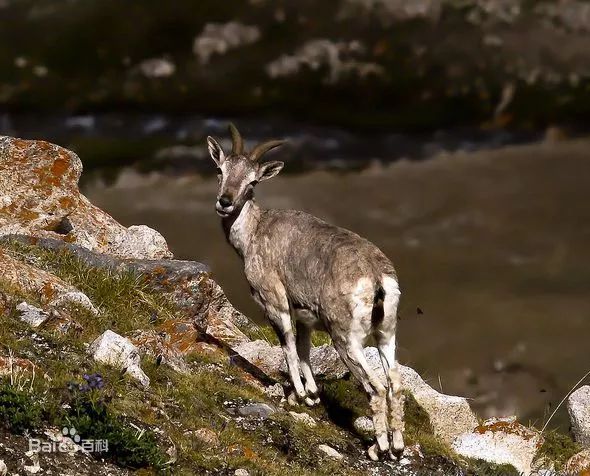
{"x": 105, "y": 337}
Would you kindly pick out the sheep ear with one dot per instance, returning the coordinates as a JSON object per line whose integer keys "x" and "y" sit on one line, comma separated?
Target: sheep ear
{"x": 215, "y": 151}
{"x": 268, "y": 170}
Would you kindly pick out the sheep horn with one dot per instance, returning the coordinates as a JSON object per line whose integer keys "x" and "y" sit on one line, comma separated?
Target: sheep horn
{"x": 263, "y": 148}
{"x": 236, "y": 139}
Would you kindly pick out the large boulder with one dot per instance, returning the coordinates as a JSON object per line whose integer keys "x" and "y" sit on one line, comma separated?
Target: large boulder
{"x": 501, "y": 441}
{"x": 39, "y": 196}
{"x": 578, "y": 407}
{"x": 449, "y": 415}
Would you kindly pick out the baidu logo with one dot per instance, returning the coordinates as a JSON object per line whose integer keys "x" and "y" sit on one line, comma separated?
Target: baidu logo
{"x": 70, "y": 439}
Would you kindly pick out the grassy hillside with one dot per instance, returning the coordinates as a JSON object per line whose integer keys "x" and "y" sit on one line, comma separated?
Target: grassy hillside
{"x": 184, "y": 423}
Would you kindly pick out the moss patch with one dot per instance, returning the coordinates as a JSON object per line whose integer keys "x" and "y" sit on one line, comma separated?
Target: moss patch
{"x": 558, "y": 448}
{"x": 19, "y": 410}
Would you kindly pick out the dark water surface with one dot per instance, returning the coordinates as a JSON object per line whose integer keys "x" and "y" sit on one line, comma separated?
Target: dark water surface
{"x": 492, "y": 246}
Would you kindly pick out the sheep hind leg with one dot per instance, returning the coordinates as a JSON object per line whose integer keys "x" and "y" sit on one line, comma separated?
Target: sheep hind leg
{"x": 353, "y": 356}
{"x": 384, "y": 334}
{"x": 395, "y": 397}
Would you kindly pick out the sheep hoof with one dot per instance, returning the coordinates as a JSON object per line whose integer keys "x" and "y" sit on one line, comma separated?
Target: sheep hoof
{"x": 373, "y": 452}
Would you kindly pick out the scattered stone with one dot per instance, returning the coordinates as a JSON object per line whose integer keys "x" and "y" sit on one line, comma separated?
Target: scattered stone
{"x": 35, "y": 467}
{"x": 275, "y": 391}
{"x": 501, "y": 441}
{"x": 330, "y": 452}
{"x": 257, "y": 410}
{"x": 3, "y": 468}
{"x": 112, "y": 349}
{"x": 304, "y": 418}
{"x": 578, "y": 407}
{"x": 364, "y": 427}
{"x": 268, "y": 358}
{"x": 32, "y": 315}
{"x": 326, "y": 362}
{"x": 187, "y": 283}
{"x": 241, "y": 472}
{"x": 206, "y": 436}
{"x": 578, "y": 464}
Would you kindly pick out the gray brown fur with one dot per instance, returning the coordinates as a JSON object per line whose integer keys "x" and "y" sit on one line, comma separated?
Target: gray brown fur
{"x": 304, "y": 270}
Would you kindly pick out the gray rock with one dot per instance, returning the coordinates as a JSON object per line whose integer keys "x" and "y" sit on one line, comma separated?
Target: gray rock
{"x": 501, "y": 441}
{"x": 330, "y": 452}
{"x": 275, "y": 391}
{"x": 157, "y": 68}
{"x": 112, "y": 349}
{"x": 32, "y": 315}
{"x": 364, "y": 427}
{"x": 304, "y": 418}
{"x": 578, "y": 407}
{"x": 449, "y": 415}
{"x": 241, "y": 472}
{"x": 3, "y": 468}
{"x": 258, "y": 410}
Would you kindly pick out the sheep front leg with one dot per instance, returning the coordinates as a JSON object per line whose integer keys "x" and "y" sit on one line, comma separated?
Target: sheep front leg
{"x": 281, "y": 323}
{"x": 303, "y": 340}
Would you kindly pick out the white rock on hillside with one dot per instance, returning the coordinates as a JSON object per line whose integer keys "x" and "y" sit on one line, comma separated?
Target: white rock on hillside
{"x": 219, "y": 38}
{"x": 304, "y": 418}
{"x": 501, "y": 441}
{"x": 112, "y": 349}
{"x": 32, "y": 315}
{"x": 578, "y": 407}
{"x": 364, "y": 427}
{"x": 330, "y": 452}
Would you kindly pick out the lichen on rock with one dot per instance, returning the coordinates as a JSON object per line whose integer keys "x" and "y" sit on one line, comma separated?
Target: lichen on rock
{"x": 39, "y": 196}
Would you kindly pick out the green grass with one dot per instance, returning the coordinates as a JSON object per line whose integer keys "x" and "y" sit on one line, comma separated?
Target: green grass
{"x": 124, "y": 300}
{"x": 94, "y": 419}
{"x": 558, "y": 448}
{"x": 20, "y": 411}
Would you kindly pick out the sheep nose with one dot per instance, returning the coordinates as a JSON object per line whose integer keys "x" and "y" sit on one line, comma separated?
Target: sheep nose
{"x": 225, "y": 201}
